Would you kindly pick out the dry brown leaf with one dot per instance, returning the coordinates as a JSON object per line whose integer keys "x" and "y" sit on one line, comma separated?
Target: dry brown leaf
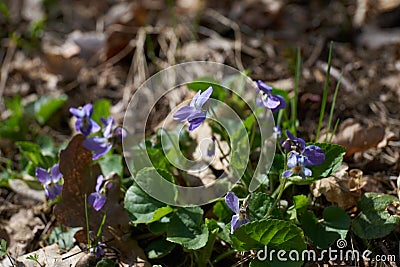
{"x": 80, "y": 175}
{"x": 21, "y": 230}
{"x": 343, "y": 188}
{"x": 356, "y": 138}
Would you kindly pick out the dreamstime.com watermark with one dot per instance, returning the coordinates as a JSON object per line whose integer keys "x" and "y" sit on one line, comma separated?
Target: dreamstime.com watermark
{"x": 340, "y": 254}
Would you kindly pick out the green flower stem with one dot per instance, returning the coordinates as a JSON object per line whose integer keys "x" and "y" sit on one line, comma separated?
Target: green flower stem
{"x": 207, "y": 250}
{"x": 224, "y": 255}
{"x": 224, "y": 156}
{"x": 87, "y": 223}
{"x": 281, "y": 188}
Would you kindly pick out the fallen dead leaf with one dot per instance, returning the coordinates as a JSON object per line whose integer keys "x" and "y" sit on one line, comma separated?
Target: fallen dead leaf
{"x": 357, "y": 138}
{"x": 342, "y": 188}
{"x": 80, "y": 174}
{"x": 22, "y": 229}
{"x": 49, "y": 256}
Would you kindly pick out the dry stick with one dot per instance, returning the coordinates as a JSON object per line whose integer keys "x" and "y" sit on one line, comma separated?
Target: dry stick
{"x": 238, "y": 36}
{"x": 5, "y": 67}
{"x": 244, "y": 48}
{"x": 137, "y": 71}
{"x": 169, "y": 50}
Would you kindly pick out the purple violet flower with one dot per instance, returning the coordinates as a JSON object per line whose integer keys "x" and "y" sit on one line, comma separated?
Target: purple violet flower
{"x": 120, "y": 133}
{"x": 296, "y": 164}
{"x": 98, "y": 199}
{"x": 50, "y": 181}
{"x": 84, "y": 123}
{"x": 240, "y": 216}
{"x": 98, "y": 248}
{"x": 195, "y": 113}
{"x": 101, "y": 145}
{"x": 313, "y": 154}
{"x": 266, "y": 99}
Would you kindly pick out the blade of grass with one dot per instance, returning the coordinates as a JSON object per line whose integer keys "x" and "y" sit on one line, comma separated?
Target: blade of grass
{"x": 325, "y": 94}
{"x": 296, "y": 91}
{"x": 334, "y": 130}
{"x": 333, "y": 107}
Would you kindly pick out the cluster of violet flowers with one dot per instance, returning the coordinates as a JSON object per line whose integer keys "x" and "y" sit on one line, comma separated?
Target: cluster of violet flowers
{"x": 195, "y": 113}
{"x": 299, "y": 155}
{"x": 99, "y": 145}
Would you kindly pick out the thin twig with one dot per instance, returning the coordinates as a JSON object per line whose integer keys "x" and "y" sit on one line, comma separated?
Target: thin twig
{"x": 5, "y": 67}
{"x": 236, "y": 29}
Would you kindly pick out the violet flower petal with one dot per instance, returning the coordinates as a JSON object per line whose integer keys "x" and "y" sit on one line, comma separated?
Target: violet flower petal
{"x": 55, "y": 173}
{"x": 53, "y": 190}
{"x": 287, "y": 173}
{"x": 95, "y": 126}
{"x": 107, "y": 132}
{"x": 264, "y": 87}
{"x": 184, "y": 113}
{"x": 300, "y": 142}
{"x": 97, "y": 200}
{"x": 292, "y": 160}
{"x": 272, "y": 102}
{"x": 203, "y": 97}
{"x": 88, "y": 110}
{"x": 314, "y": 155}
{"x": 99, "y": 182}
{"x": 232, "y": 201}
{"x": 307, "y": 172}
{"x": 194, "y": 123}
{"x": 282, "y": 102}
{"x": 77, "y": 112}
{"x": 43, "y": 176}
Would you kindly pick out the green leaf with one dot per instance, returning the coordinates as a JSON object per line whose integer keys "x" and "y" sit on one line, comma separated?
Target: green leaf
{"x": 101, "y": 108}
{"x": 160, "y": 226}
{"x": 259, "y": 204}
{"x": 13, "y": 127}
{"x": 333, "y": 159}
{"x": 185, "y": 228}
{"x": 278, "y": 164}
{"x": 4, "y": 10}
{"x": 161, "y": 212}
{"x": 337, "y": 220}
{"x": 3, "y": 248}
{"x": 159, "y": 248}
{"x": 140, "y": 206}
{"x": 222, "y": 211}
{"x": 111, "y": 163}
{"x": 47, "y": 146}
{"x": 277, "y": 234}
{"x": 300, "y": 203}
{"x": 249, "y": 122}
{"x": 46, "y": 106}
{"x": 34, "y": 153}
{"x": 64, "y": 238}
{"x": 158, "y": 158}
{"x": 374, "y": 220}
{"x": 335, "y": 226}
